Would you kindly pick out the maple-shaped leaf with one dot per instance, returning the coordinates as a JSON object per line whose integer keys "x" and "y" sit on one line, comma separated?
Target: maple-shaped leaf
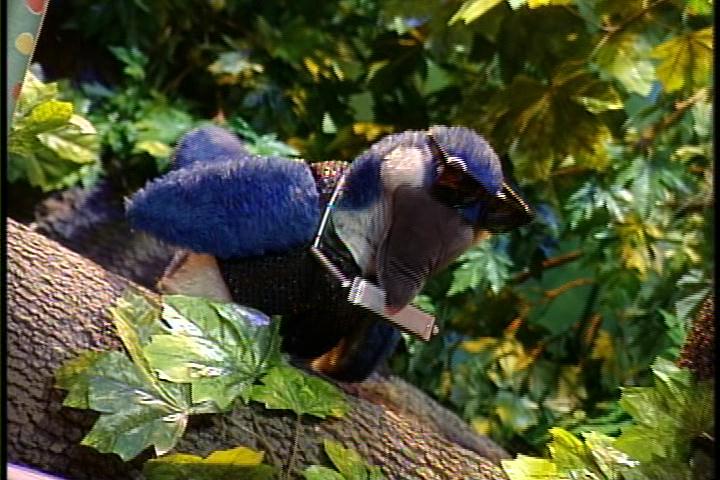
{"x": 135, "y": 413}
{"x": 287, "y": 388}
{"x": 544, "y": 124}
{"x": 483, "y": 266}
{"x": 72, "y": 376}
{"x": 240, "y": 462}
{"x": 625, "y": 58}
{"x": 349, "y": 464}
{"x": 221, "y": 349}
{"x": 667, "y": 416}
{"x": 525, "y": 467}
{"x": 685, "y": 60}
{"x": 472, "y": 9}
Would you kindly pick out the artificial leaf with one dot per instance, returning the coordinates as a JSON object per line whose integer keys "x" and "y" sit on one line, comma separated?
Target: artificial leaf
{"x": 234, "y": 66}
{"x": 328, "y": 125}
{"x": 672, "y": 413}
{"x": 699, "y": 7}
{"x": 625, "y": 58}
{"x": 240, "y": 463}
{"x": 483, "y": 266}
{"x": 162, "y": 123}
{"x": 317, "y": 472}
{"x": 544, "y": 3}
{"x": 49, "y": 144}
{"x": 568, "y": 452}
{"x": 472, "y": 9}
{"x": 549, "y": 123}
{"x": 154, "y": 148}
{"x": 346, "y": 460}
{"x": 135, "y": 414}
{"x": 73, "y": 376}
{"x": 685, "y": 60}
{"x": 525, "y": 468}
{"x": 518, "y": 413}
{"x": 611, "y": 461}
{"x": 287, "y": 388}
{"x": 221, "y": 349}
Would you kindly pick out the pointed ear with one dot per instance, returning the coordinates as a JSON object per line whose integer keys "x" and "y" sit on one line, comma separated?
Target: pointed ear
{"x": 507, "y": 210}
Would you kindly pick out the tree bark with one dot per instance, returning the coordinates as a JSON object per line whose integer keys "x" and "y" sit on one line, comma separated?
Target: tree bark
{"x": 57, "y": 306}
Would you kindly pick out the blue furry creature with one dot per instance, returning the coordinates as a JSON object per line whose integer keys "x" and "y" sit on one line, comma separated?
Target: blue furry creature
{"x": 407, "y": 207}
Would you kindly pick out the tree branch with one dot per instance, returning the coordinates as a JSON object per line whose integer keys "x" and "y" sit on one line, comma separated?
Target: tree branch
{"x": 57, "y": 307}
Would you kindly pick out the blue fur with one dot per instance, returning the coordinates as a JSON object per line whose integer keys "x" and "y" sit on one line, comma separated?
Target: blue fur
{"x": 208, "y": 143}
{"x": 244, "y": 206}
{"x": 363, "y": 185}
{"x": 482, "y": 161}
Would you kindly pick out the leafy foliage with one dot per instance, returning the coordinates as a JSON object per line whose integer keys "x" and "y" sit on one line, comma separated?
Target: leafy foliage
{"x": 240, "y": 462}
{"x": 667, "y": 418}
{"x": 219, "y": 349}
{"x": 187, "y": 356}
{"x": 50, "y": 146}
{"x": 287, "y": 388}
{"x": 349, "y": 465}
{"x": 601, "y": 111}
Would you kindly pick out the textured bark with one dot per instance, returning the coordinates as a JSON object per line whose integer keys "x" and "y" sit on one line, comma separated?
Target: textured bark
{"x": 57, "y": 304}
{"x": 698, "y": 351}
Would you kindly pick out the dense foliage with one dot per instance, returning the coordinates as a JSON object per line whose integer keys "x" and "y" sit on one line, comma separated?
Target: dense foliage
{"x": 601, "y": 110}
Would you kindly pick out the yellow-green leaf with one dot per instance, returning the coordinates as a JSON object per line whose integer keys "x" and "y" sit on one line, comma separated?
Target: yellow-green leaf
{"x": 51, "y": 114}
{"x": 625, "y": 58}
{"x": 153, "y": 147}
{"x": 685, "y": 60}
{"x": 472, "y": 9}
{"x": 239, "y": 462}
{"x": 543, "y": 3}
{"x": 531, "y": 468}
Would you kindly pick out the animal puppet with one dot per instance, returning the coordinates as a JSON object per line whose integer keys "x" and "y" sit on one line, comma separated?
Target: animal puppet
{"x": 400, "y": 212}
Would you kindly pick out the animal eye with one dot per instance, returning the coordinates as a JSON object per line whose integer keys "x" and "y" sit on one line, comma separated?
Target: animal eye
{"x": 454, "y": 188}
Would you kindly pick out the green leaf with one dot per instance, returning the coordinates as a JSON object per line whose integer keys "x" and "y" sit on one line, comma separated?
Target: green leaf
{"x": 162, "y": 123}
{"x": 472, "y": 9}
{"x": 481, "y": 267}
{"x": 531, "y": 468}
{"x": 48, "y": 145}
{"x": 667, "y": 416}
{"x": 437, "y": 78}
{"x": 76, "y": 142}
{"x": 685, "y": 60}
{"x": 362, "y": 105}
{"x": 699, "y": 7}
{"x": 235, "y": 463}
{"x": 134, "y": 60}
{"x": 568, "y": 452}
{"x": 73, "y": 376}
{"x": 135, "y": 414}
{"x": 518, "y": 413}
{"x": 544, "y": 3}
{"x": 154, "y": 148}
{"x": 611, "y": 461}
{"x": 544, "y": 124}
{"x": 287, "y": 388}
{"x": 50, "y": 115}
{"x": 328, "y": 125}
{"x": 346, "y": 460}
{"x": 234, "y": 66}
{"x": 221, "y": 349}
{"x": 317, "y": 472}
{"x": 625, "y": 58}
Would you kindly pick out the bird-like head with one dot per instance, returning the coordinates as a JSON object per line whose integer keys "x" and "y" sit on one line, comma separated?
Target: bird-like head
{"x": 416, "y": 200}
